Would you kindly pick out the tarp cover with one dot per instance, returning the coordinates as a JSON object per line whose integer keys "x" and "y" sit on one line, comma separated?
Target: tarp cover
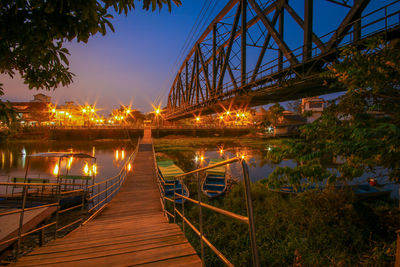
{"x": 168, "y": 169}
{"x": 217, "y": 170}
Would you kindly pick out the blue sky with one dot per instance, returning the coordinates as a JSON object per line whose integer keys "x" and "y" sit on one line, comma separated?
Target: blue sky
{"x": 136, "y": 64}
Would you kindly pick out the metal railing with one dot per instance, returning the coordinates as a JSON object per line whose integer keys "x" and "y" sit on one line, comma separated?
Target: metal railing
{"x": 97, "y": 199}
{"x": 249, "y": 219}
{"x": 107, "y": 189}
{"x": 381, "y": 20}
{"x": 57, "y": 224}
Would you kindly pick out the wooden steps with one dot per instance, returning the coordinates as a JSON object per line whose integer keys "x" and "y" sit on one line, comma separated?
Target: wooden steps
{"x": 131, "y": 230}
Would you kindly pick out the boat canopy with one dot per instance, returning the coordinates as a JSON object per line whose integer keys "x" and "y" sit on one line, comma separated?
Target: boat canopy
{"x": 168, "y": 169}
{"x": 62, "y": 155}
{"x": 220, "y": 170}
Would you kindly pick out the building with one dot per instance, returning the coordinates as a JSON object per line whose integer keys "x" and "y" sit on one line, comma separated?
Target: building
{"x": 35, "y": 112}
{"x": 31, "y": 113}
{"x": 314, "y": 105}
{"x": 288, "y": 124}
{"x": 41, "y": 98}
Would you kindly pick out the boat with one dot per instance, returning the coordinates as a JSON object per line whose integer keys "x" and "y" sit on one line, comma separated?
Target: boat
{"x": 68, "y": 186}
{"x": 361, "y": 191}
{"x": 167, "y": 171}
{"x": 215, "y": 182}
{"x": 367, "y": 191}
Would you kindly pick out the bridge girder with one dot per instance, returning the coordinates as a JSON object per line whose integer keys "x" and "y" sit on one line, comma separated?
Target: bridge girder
{"x": 214, "y": 76}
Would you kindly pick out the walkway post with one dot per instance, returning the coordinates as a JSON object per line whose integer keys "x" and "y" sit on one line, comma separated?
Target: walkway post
{"x": 200, "y": 217}
{"x": 22, "y": 213}
{"x": 175, "y": 200}
{"x": 253, "y": 241}
{"x": 183, "y": 212}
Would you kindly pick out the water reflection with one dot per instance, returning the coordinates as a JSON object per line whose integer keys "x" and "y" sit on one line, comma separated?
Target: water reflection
{"x": 259, "y": 158}
{"x": 14, "y": 158}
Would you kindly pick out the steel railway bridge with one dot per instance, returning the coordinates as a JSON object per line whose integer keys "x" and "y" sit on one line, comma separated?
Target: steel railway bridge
{"x": 245, "y": 57}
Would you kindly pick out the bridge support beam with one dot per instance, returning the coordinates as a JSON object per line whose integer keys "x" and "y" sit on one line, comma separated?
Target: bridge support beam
{"x": 308, "y": 29}
{"x": 244, "y": 42}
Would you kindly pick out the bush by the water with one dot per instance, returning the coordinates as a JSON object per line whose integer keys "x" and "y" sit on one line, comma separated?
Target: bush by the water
{"x": 312, "y": 229}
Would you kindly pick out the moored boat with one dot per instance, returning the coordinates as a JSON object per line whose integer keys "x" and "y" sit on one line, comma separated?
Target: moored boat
{"x": 166, "y": 173}
{"x": 361, "y": 191}
{"x": 215, "y": 182}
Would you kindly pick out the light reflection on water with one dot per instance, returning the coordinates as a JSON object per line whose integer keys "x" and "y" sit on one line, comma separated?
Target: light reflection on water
{"x": 14, "y": 158}
{"x": 261, "y": 167}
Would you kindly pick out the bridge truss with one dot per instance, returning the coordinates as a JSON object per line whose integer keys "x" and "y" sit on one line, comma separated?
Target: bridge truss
{"x": 245, "y": 57}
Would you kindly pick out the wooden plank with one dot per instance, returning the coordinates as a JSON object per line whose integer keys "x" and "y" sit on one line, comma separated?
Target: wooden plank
{"x": 131, "y": 230}
{"x": 102, "y": 249}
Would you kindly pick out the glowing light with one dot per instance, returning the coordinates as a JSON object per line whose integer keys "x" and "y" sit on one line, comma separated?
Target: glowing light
{"x": 129, "y": 167}
{"x": 116, "y": 154}
{"x": 61, "y": 112}
{"x": 56, "y": 169}
{"x": 197, "y": 118}
{"x": 70, "y": 116}
{"x": 243, "y": 157}
{"x": 67, "y": 113}
{"x": 86, "y": 169}
{"x": 53, "y": 110}
{"x": 237, "y": 115}
{"x": 228, "y": 112}
{"x": 221, "y": 117}
{"x": 123, "y": 154}
{"x": 128, "y": 111}
{"x": 116, "y": 117}
{"x": 201, "y": 158}
{"x": 94, "y": 169}
{"x": 92, "y": 119}
{"x": 92, "y": 110}
{"x": 69, "y": 163}
{"x": 84, "y": 110}
{"x": 243, "y": 115}
{"x": 196, "y": 158}
{"x": 158, "y": 111}
{"x": 221, "y": 151}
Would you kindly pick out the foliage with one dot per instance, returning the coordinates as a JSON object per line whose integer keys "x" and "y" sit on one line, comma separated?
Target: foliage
{"x": 273, "y": 114}
{"x": 362, "y": 126}
{"x": 7, "y": 114}
{"x": 326, "y": 228}
{"x": 32, "y": 34}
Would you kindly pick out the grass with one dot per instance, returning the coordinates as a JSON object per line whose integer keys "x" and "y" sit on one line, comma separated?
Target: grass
{"x": 325, "y": 228}
{"x": 314, "y": 229}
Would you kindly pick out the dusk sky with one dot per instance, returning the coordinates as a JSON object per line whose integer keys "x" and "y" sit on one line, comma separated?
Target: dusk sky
{"x": 136, "y": 64}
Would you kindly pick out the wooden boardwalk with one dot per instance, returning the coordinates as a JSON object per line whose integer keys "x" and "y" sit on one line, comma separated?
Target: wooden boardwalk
{"x": 130, "y": 231}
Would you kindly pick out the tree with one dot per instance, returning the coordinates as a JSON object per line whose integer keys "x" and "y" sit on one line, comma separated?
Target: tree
{"x": 362, "y": 126}
{"x": 273, "y": 114}
{"x": 7, "y": 114}
{"x": 32, "y": 34}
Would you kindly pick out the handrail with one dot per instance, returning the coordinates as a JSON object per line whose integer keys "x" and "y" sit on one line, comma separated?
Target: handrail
{"x": 222, "y": 211}
{"x": 248, "y": 220}
{"x": 111, "y": 189}
{"x": 112, "y": 185}
{"x": 222, "y": 163}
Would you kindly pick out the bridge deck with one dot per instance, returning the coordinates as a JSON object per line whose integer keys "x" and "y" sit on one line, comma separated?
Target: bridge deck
{"x": 130, "y": 231}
